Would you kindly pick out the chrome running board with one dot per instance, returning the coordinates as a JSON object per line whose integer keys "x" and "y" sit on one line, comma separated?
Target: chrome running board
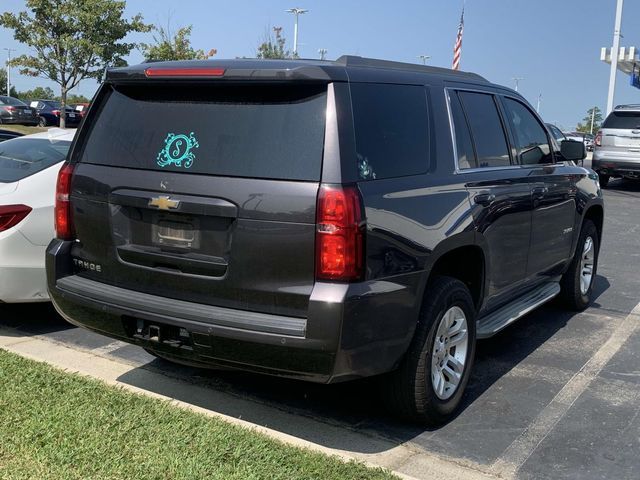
{"x": 501, "y": 318}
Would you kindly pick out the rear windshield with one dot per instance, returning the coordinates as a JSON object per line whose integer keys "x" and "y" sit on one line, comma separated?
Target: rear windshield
{"x": 22, "y": 157}
{"x": 274, "y": 132}
{"x": 622, "y": 120}
{"x": 10, "y": 101}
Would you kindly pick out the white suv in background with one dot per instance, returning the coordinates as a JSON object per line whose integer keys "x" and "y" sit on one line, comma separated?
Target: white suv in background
{"x": 617, "y": 145}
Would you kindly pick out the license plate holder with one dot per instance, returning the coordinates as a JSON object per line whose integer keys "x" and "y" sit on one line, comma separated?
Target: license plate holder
{"x": 176, "y": 232}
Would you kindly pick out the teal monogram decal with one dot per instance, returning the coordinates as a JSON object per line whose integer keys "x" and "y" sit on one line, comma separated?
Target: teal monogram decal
{"x": 177, "y": 149}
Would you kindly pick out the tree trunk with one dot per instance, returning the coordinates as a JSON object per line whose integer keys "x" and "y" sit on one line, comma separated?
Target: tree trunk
{"x": 63, "y": 107}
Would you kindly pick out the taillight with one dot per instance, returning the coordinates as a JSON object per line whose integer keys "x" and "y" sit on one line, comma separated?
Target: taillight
{"x": 598, "y": 140}
{"x": 56, "y": 112}
{"x": 11, "y": 215}
{"x": 9, "y": 108}
{"x": 62, "y": 210}
{"x": 339, "y": 234}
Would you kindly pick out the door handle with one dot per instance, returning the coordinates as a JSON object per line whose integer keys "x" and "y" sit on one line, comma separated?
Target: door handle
{"x": 484, "y": 199}
{"x": 539, "y": 192}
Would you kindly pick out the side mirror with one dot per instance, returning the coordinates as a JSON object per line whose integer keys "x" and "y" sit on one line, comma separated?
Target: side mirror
{"x": 573, "y": 150}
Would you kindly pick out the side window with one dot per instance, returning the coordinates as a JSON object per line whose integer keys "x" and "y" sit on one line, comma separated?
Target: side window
{"x": 391, "y": 130}
{"x": 486, "y": 129}
{"x": 464, "y": 144}
{"x": 531, "y": 139}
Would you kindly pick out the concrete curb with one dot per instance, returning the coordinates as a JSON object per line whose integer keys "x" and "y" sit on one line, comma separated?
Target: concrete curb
{"x": 402, "y": 459}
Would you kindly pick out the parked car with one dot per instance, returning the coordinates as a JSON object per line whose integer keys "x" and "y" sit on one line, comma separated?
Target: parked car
{"x": 15, "y": 111}
{"x": 588, "y": 141}
{"x": 616, "y": 150}
{"x": 80, "y": 108}
{"x": 28, "y": 169}
{"x": 49, "y": 113}
{"x": 8, "y": 135}
{"x": 324, "y": 221}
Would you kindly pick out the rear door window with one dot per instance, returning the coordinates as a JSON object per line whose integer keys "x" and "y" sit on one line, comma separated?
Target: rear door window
{"x": 22, "y": 157}
{"x": 623, "y": 120}
{"x": 486, "y": 129}
{"x": 391, "y": 130}
{"x": 268, "y": 131}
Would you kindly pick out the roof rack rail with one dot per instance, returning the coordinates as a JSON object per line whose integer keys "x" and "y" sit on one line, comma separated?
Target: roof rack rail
{"x": 356, "y": 61}
{"x": 627, "y": 105}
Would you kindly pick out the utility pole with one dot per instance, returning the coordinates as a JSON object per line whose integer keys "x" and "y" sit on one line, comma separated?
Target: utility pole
{"x": 538, "y": 106}
{"x": 614, "y": 56}
{"x": 297, "y": 12}
{"x": 593, "y": 117}
{"x": 424, "y": 58}
{"x": 323, "y": 53}
{"x": 9, "y": 50}
{"x": 517, "y": 80}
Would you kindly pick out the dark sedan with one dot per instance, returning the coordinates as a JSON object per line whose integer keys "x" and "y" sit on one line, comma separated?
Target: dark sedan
{"x": 14, "y": 111}
{"x": 49, "y": 113}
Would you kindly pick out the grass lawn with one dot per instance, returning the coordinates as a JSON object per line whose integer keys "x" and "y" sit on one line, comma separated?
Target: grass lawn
{"x": 56, "y": 425}
{"x": 23, "y": 129}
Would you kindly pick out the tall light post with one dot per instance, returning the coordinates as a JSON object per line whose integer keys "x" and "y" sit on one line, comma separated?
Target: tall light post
{"x": 9, "y": 50}
{"x": 517, "y": 80}
{"x": 424, "y": 58}
{"x": 538, "y": 106}
{"x": 323, "y": 53}
{"x": 297, "y": 12}
{"x": 614, "y": 56}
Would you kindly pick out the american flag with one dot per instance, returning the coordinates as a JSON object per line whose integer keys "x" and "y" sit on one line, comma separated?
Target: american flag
{"x": 457, "y": 50}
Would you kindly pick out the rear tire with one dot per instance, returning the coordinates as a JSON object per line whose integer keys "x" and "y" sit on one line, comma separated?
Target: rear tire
{"x": 604, "y": 180}
{"x": 416, "y": 390}
{"x": 577, "y": 282}
{"x": 42, "y": 122}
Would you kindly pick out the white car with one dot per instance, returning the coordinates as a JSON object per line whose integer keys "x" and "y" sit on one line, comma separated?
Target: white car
{"x": 29, "y": 168}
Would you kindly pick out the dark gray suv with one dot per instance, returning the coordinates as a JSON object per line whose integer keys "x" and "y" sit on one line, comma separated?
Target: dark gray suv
{"x": 319, "y": 220}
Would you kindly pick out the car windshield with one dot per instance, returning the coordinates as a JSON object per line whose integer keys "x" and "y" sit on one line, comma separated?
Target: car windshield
{"x": 22, "y": 157}
{"x": 10, "y": 101}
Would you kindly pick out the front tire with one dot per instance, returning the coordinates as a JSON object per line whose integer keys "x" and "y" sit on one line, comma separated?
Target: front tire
{"x": 577, "y": 282}
{"x": 429, "y": 384}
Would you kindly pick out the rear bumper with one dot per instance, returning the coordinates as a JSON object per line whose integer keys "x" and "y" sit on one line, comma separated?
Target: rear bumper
{"x": 19, "y": 121}
{"x": 351, "y": 331}
{"x": 615, "y": 165}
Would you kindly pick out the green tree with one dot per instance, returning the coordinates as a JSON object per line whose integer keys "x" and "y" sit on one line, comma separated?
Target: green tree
{"x": 274, "y": 46}
{"x": 585, "y": 125}
{"x": 45, "y": 93}
{"x": 72, "y": 39}
{"x": 168, "y": 47}
{"x": 3, "y": 84}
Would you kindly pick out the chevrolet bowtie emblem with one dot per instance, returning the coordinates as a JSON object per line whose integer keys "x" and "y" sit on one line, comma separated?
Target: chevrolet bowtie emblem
{"x": 164, "y": 202}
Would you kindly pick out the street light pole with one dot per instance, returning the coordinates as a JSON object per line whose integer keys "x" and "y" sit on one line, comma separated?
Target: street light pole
{"x": 9, "y": 50}
{"x": 614, "y": 56}
{"x": 538, "y": 106}
{"x": 424, "y": 58}
{"x": 517, "y": 80}
{"x": 297, "y": 12}
{"x": 593, "y": 117}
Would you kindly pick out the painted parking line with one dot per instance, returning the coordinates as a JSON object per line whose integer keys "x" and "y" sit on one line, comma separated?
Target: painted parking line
{"x": 508, "y": 464}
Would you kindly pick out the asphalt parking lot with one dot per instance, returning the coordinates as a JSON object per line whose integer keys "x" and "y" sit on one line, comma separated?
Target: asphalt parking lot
{"x": 557, "y": 395}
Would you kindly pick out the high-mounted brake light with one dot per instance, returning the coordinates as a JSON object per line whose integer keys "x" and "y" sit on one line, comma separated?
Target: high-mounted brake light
{"x": 11, "y": 215}
{"x": 63, "y": 219}
{"x": 184, "y": 72}
{"x": 339, "y": 234}
{"x": 598, "y": 140}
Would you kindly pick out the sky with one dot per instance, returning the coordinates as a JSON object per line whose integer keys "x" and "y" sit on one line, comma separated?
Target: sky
{"x": 553, "y": 45}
